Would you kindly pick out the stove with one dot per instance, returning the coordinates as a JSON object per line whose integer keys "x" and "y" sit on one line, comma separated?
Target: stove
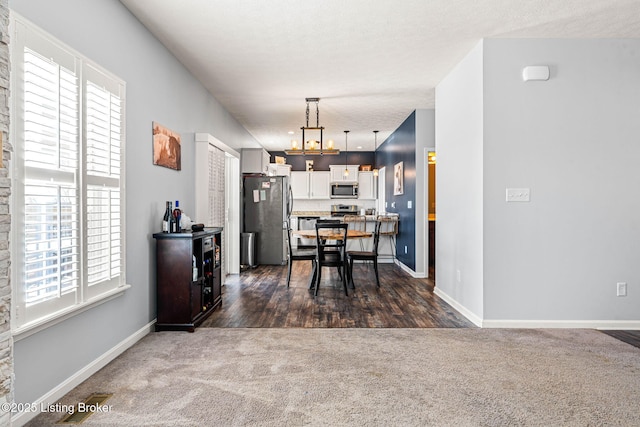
{"x": 342, "y": 210}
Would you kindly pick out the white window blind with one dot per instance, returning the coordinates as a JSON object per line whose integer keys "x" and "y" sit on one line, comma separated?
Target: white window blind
{"x": 68, "y": 126}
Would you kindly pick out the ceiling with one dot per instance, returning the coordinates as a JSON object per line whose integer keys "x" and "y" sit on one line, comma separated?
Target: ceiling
{"x": 371, "y": 62}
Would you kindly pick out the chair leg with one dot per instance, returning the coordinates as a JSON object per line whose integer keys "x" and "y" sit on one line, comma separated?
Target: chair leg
{"x": 353, "y": 286}
{"x": 289, "y": 272}
{"x": 344, "y": 279}
{"x": 314, "y": 272}
{"x": 375, "y": 268}
{"x": 318, "y": 277}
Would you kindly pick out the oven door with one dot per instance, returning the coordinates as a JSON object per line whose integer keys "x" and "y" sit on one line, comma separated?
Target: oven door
{"x": 341, "y": 190}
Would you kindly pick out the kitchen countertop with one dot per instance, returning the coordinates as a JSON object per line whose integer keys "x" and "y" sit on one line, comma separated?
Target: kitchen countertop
{"x": 310, "y": 213}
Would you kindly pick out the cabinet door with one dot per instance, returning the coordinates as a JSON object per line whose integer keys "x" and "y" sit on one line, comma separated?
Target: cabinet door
{"x": 279, "y": 170}
{"x": 255, "y": 160}
{"x": 366, "y": 186}
{"x": 300, "y": 185}
{"x": 337, "y": 173}
{"x": 320, "y": 185}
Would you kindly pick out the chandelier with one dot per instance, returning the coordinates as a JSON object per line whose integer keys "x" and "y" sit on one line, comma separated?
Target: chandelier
{"x": 312, "y": 146}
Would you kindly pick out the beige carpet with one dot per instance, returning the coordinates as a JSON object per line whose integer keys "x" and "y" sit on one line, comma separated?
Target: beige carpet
{"x": 373, "y": 377}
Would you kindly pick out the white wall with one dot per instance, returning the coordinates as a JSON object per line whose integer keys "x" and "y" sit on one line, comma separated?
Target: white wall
{"x": 574, "y": 141}
{"x": 158, "y": 89}
{"x": 459, "y": 190}
{"x": 425, "y": 137}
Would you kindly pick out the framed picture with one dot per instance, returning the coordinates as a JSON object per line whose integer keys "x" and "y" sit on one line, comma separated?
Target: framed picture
{"x": 166, "y": 147}
{"x": 398, "y": 178}
{"x": 365, "y": 168}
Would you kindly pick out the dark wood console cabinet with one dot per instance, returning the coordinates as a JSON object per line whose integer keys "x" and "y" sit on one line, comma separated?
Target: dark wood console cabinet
{"x": 185, "y": 298}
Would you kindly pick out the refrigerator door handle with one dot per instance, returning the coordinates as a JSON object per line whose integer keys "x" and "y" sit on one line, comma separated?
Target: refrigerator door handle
{"x": 290, "y": 203}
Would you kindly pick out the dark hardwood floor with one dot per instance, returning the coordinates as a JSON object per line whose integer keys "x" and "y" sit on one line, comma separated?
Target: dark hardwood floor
{"x": 630, "y": 337}
{"x": 259, "y": 298}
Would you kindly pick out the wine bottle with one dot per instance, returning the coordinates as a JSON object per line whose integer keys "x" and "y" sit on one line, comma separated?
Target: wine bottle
{"x": 177, "y": 214}
{"x": 167, "y": 219}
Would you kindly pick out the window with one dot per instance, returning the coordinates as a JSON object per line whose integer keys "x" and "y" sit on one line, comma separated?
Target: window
{"x": 68, "y": 211}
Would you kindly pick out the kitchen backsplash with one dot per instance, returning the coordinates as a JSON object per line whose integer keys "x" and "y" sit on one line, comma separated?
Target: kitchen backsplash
{"x": 302, "y": 205}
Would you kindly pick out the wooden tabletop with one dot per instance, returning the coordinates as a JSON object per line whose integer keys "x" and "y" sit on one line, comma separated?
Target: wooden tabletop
{"x": 330, "y": 234}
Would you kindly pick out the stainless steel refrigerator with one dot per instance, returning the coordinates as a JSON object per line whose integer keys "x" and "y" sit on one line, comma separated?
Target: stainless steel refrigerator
{"x": 266, "y": 209}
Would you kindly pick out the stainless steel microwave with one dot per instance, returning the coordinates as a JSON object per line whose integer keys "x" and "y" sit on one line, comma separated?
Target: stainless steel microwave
{"x": 344, "y": 190}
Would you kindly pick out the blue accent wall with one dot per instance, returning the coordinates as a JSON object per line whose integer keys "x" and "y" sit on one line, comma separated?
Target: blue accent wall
{"x": 400, "y": 146}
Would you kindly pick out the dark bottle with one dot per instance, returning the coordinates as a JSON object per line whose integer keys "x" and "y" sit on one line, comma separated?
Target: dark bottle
{"x": 177, "y": 214}
{"x": 166, "y": 220}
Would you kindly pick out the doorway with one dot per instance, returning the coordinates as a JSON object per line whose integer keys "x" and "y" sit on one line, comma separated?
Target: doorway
{"x": 431, "y": 212}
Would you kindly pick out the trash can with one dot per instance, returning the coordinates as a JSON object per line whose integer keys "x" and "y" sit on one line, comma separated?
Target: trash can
{"x": 248, "y": 250}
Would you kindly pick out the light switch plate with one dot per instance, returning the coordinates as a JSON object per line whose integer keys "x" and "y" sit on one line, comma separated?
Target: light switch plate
{"x": 518, "y": 194}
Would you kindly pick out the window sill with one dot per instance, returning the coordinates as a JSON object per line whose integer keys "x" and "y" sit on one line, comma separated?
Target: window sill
{"x": 40, "y": 325}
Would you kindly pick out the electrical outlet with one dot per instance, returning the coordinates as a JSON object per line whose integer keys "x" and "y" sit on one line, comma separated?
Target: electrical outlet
{"x": 458, "y": 275}
{"x": 518, "y": 194}
{"x": 621, "y": 288}
{"x": 405, "y": 249}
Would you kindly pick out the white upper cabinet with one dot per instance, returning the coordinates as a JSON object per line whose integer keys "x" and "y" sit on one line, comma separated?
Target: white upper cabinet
{"x": 366, "y": 186}
{"x": 300, "y": 184}
{"x": 319, "y": 185}
{"x": 255, "y": 160}
{"x": 337, "y": 173}
{"x": 279, "y": 170}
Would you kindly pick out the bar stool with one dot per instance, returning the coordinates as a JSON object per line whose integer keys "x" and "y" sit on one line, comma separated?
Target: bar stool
{"x": 356, "y": 222}
{"x": 389, "y": 230}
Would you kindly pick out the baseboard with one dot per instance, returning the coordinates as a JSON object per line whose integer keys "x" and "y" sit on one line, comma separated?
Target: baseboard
{"x": 76, "y": 379}
{"x": 472, "y": 317}
{"x": 565, "y": 324}
{"x": 537, "y": 324}
{"x": 414, "y": 274}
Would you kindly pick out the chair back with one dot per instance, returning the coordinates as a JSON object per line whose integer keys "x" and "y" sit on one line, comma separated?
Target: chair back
{"x": 376, "y": 238}
{"x": 328, "y": 221}
{"x": 334, "y": 243}
{"x": 389, "y": 225}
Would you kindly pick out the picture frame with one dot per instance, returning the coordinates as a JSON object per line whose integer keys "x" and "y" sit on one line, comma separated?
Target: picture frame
{"x": 365, "y": 168}
{"x": 166, "y": 147}
{"x": 398, "y": 179}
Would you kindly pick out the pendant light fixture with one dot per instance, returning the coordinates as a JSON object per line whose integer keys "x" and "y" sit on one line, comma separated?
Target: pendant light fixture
{"x": 346, "y": 155}
{"x": 312, "y": 146}
{"x": 375, "y": 149}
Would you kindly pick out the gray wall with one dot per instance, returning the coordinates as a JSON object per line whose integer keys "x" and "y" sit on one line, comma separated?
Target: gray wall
{"x": 158, "y": 89}
{"x": 459, "y": 191}
{"x": 573, "y": 140}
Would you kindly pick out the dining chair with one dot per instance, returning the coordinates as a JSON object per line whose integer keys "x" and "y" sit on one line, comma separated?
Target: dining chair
{"x": 328, "y": 221}
{"x": 298, "y": 254}
{"x": 371, "y": 255}
{"x": 331, "y": 252}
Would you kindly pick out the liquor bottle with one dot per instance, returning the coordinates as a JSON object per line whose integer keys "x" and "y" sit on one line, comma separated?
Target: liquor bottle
{"x": 177, "y": 214}
{"x": 173, "y": 228}
{"x": 167, "y": 219}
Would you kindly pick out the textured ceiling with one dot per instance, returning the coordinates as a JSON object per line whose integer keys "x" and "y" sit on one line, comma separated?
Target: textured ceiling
{"x": 371, "y": 62}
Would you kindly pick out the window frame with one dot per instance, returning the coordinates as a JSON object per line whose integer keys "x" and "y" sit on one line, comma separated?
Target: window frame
{"x": 44, "y": 314}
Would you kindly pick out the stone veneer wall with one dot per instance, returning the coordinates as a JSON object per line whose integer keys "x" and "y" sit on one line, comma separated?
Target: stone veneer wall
{"x": 6, "y": 341}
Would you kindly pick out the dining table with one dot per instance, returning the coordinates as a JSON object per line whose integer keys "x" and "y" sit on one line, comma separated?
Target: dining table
{"x": 329, "y": 234}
